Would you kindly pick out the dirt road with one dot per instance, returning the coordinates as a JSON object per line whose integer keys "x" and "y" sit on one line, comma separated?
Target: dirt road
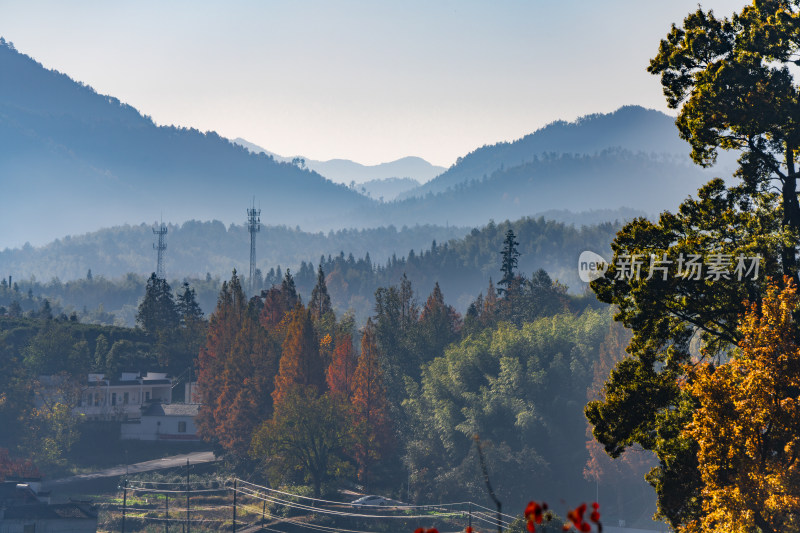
{"x": 146, "y": 466}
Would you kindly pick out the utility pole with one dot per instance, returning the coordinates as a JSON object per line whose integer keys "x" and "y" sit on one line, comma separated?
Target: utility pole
{"x": 166, "y": 522}
{"x": 234, "y": 505}
{"x": 264, "y": 503}
{"x": 253, "y": 226}
{"x": 187, "y": 496}
{"x": 124, "y": 502}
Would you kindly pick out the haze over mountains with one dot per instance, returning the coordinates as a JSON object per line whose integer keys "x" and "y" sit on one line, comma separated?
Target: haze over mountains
{"x": 73, "y": 161}
{"x": 344, "y": 171}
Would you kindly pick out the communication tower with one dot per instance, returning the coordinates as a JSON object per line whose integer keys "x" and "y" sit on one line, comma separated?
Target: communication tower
{"x": 253, "y": 226}
{"x": 161, "y": 230}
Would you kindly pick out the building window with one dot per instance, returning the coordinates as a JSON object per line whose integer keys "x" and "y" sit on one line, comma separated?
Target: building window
{"x": 88, "y": 399}
{"x": 96, "y": 399}
{"x": 181, "y": 427}
{"x": 147, "y": 396}
{"x": 125, "y": 398}
{"x": 113, "y": 398}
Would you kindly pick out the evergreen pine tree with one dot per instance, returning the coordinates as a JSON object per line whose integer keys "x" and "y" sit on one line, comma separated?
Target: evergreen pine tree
{"x": 371, "y": 421}
{"x": 320, "y": 303}
{"x": 300, "y": 364}
{"x": 510, "y": 254}
{"x": 158, "y": 311}
{"x": 187, "y": 306}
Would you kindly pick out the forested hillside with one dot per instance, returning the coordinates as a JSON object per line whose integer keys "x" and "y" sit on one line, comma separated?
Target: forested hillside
{"x": 630, "y": 128}
{"x": 89, "y": 161}
{"x": 93, "y": 161}
{"x": 195, "y": 248}
{"x": 579, "y": 183}
{"x": 461, "y": 266}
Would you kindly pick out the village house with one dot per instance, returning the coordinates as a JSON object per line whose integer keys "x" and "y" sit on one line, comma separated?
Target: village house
{"x": 123, "y": 398}
{"x": 165, "y": 422}
{"x": 25, "y": 508}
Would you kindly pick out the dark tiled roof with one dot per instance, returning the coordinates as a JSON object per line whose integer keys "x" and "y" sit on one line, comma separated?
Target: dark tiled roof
{"x": 10, "y": 493}
{"x": 52, "y": 512}
{"x": 172, "y": 409}
{"x": 130, "y": 383}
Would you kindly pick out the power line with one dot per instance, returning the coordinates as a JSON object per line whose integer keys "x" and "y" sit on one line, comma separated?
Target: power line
{"x": 322, "y": 510}
{"x": 446, "y": 511}
{"x": 402, "y": 506}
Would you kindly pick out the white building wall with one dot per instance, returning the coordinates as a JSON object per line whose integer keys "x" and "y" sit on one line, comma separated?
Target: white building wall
{"x": 160, "y": 428}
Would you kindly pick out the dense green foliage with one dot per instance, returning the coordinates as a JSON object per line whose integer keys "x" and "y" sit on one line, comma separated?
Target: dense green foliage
{"x": 522, "y": 390}
{"x": 29, "y": 347}
{"x": 731, "y": 80}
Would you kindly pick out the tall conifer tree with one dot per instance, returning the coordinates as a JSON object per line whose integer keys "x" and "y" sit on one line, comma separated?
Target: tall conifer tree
{"x": 372, "y": 425}
{"x": 300, "y": 364}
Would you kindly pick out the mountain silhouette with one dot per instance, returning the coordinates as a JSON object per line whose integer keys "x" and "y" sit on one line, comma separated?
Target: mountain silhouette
{"x": 73, "y": 160}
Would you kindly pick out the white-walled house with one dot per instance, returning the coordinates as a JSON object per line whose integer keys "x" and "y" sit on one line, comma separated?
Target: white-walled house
{"x": 170, "y": 422}
{"x": 124, "y": 398}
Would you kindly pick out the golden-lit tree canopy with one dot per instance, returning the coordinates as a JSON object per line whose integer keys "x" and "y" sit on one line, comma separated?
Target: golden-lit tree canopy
{"x": 747, "y": 425}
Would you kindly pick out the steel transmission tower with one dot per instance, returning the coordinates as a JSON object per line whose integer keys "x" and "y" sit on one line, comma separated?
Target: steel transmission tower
{"x": 253, "y": 226}
{"x": 161, "y": 230}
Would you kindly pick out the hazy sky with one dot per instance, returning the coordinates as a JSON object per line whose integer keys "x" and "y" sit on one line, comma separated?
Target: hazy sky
{"x": 370, "y": 81}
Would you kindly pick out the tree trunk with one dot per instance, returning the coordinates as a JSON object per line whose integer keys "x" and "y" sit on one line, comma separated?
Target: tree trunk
{"x": 791, "y": 213}
{"x": 317, "y": 485}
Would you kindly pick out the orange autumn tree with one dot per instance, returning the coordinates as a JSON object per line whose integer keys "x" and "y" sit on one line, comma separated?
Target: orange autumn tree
{"x": 236, "y": 371}
{"x": 248, "y": 381}
{"x": 309, "y": 430}
{"x": 339, "y": 375}
{"x": 10, "y": 466}
{"x": 747, "y": 425}
{"x": 300, "y": 364}
{"x": 223, "y": 327}
{"x": 371, "y": 423}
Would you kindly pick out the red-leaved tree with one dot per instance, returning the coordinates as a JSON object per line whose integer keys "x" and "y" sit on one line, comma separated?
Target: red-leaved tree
{"x": 372, "y": 425}
{"x": 300, "y": 362}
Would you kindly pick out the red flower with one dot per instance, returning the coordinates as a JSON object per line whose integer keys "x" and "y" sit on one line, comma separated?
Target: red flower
{"x": 468, "y": 530}
{"x": 575, "y": 518}
{"x": 595, "y": 516}
{"x": 533, "y": 512}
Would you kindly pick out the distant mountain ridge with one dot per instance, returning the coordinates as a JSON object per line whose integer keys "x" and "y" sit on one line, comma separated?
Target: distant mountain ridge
{"x": 607, "y": 181}
{"x": 73, "y": 161}
{"x": 346, "y": 171}
{"x": 632, "y": 128}
{"x": 92, "y": 161}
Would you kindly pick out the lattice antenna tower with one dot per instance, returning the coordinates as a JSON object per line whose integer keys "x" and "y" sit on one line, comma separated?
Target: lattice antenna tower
{"x": 253, "y": 226}
{"x": 161, "y": 230}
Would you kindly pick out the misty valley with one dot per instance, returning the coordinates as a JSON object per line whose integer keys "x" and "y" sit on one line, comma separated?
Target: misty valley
{"x": 553, "y": 333}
